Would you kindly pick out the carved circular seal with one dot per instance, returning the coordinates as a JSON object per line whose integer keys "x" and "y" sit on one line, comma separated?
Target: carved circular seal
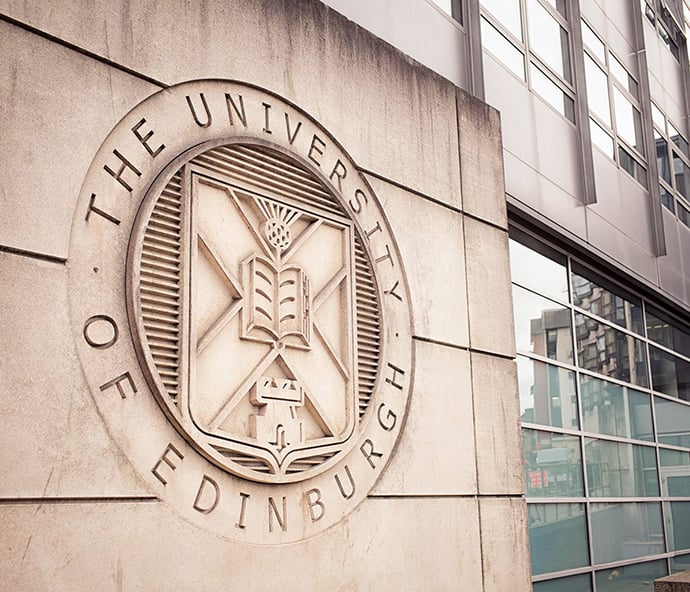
{"x": 263, "y": 381}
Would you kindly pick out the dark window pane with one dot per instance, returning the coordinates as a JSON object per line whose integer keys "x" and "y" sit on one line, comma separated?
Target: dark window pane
{"x": 609, "y": 408}
{"x": 542, "y": 326}
{"x": 615, "y": 469}
{"x": 668, "y": 333}
{"x": 629, "y": 578}
{"x": 623, "y": 531}
{"x": 662, "y": 160}
{"x": 682, "y": 175}
{"x": 675, "y": 472}
{"x": 667, "y": 199}
{"x": 553, "y": 464}
{"x": 557, "y": 537}
{"x": 677, "y": 139}
{"x": 670, "y": 374}
{"x": 547, "y": 394}
{"x": 677, "y": 530}
{"x": 672, "y": 422}
{"x": 684, "y": 214}
{"x": 605, "y": 350}
{"x": 680, "y": 563}
{"x": 631, "y": 166}
{"x": 581, "y": 583}
{"x": 589, "y": 293}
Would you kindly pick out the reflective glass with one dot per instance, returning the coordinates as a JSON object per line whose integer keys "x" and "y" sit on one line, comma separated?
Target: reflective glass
{"x": 581, "y": 583}
{"x": 547, "y": 394}
{"x": 557, "y": 537}
{"x": 597, "y": 90}
{"x": 621, "y": 74}
{"x": 553, "y": 464}
{"x": 503, "y": 49}
{"x": 675, "y": 472}
{"x": 603, "y": 349}
{"x": 680, "y": 563}
{"x": 667, "y": 199}
{"x": 548, "y": 39}
{"x": 662, "y": 160}
{"x": 615, "y": 469}
{"x": 542, "y": 326}
{"x": 542, "y": 272}
{"x": 678, "y": 139}
{"x": 601, "y": 139}
{"x": 658, "y": 117}
{"x": 632, "y": 166}
{"x": 590, "y": 39}
{"x": 628, "y": 120}
{"x": 624, "y": 531}
{"x": 682, "y": 175}
{"x": 559, "y": 5}
{"x": 507, "y": 12}
{"x": 615, "y": 410}
{"x": 591, "y": 295}
{"x": 672, "y": 422}
{"x": 668, "y": 333}
{"x": 677, "y": 525}
{"x": 552, "y": 93}
{"x": 670, "y": 374}
{"x": 630, "y": 578}
{"x": 684, "y": 214}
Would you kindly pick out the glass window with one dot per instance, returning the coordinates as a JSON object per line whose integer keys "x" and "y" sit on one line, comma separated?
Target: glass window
{"x": 597, "y": 90}
{"x": 675, "y": 472}
{"x": 581, "y": 583}
{"x": 677, "y": 138}
{"x": 548, "y": 39}
{"x": 667, "y": 199}
{"x": 557, "y": 537}
{"x": 684, "y": 214}
{"x": 667, "y": 333}
{"x": 680, "y": 563}
{"x": 609, "y": 408}
{"x": 601, "y": 139}
{"x": 630, "y": 164}
{"x": 504, "y": 50}
{"x": 670, "y": 374}
{"x": 552, "y": 93}
{"x": 628, "y": 120}
{"x": 672, "y": 422}
{"x": 630, "y": 577}
{"x": 542, "y": 326}
{"x": 592, "y": 41}
{"x": 591, "y": 295}
{"x": 610, "y": 352}
{"x": 547, "y": 394}
{"x": 658, "y": 117}
{"x": 622, "y": 76}
{"x": 544, "y": 272}
{"x": 624, "y": 531}
{"x": 553, "y": 464}
{"x": 681, "y": 172}
{"x": 677, "y": 522}
{"x": 662, "y": 161}
{"x": 507, "y": 12}
{"x": 615, "y": 469}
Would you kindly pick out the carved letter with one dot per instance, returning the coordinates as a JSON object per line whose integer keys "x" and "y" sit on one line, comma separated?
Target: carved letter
{"x": 390, "y": 419}
{"x": 267, "y": 122}
{"x": 105, "y": 343}
{"x": 396, "y": 371}
{"x": 340, "y": 172}
{"x": 93, "y": 208}
{"x": 340, "y": 485}
{"x": 374, "y": 230}
{"x": 164, "y": 459}
{"x": 392, "y": 292}
{"x": 291, "y": 136}
{"x": 216, "y": 495}
{"x": 368, "y": 454}
{"x": 314, "y": 148}
{"x": 124, "y": 166}
{"x": 144, "y": 139}
{"x": 240, "y": 523}
{"x": 209, "y": 119}
{"x": 357, "y": 205}
{"x": 386, "y": 256}
{"x": 315, "y": 502}
{"x": 239, "y": 112}
{"x": 273, "y": 511}
{"x": 117, "y": 383}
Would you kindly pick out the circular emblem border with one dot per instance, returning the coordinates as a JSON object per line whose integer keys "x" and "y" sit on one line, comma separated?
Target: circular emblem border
{"x": 160, "y": 134}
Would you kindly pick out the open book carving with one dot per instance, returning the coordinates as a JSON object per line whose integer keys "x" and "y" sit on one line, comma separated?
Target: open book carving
{"x": 279, "y": 303}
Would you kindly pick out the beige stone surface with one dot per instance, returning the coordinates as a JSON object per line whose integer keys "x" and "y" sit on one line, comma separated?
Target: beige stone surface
{"x": 496, "y": 410}
{"x": 505, "y": 545}
{"x": 402, "y": 544}
{"x": 481, "y": 160}
{"x": 489, "y": 298}
{"x": 58, "y": 106}
{"x": 300, "y": 49}
{"x": 53, "y": 442}
{"x": 430, "y": 237}
{"x": 435, "y": 454}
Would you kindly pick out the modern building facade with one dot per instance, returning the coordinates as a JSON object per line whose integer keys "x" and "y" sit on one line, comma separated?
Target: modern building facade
{"x": 593, "y": 97}
{"x": 592, "y": 357}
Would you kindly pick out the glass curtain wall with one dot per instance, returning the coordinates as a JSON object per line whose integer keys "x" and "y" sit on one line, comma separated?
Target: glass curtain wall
{"x": 604, "y": 380}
